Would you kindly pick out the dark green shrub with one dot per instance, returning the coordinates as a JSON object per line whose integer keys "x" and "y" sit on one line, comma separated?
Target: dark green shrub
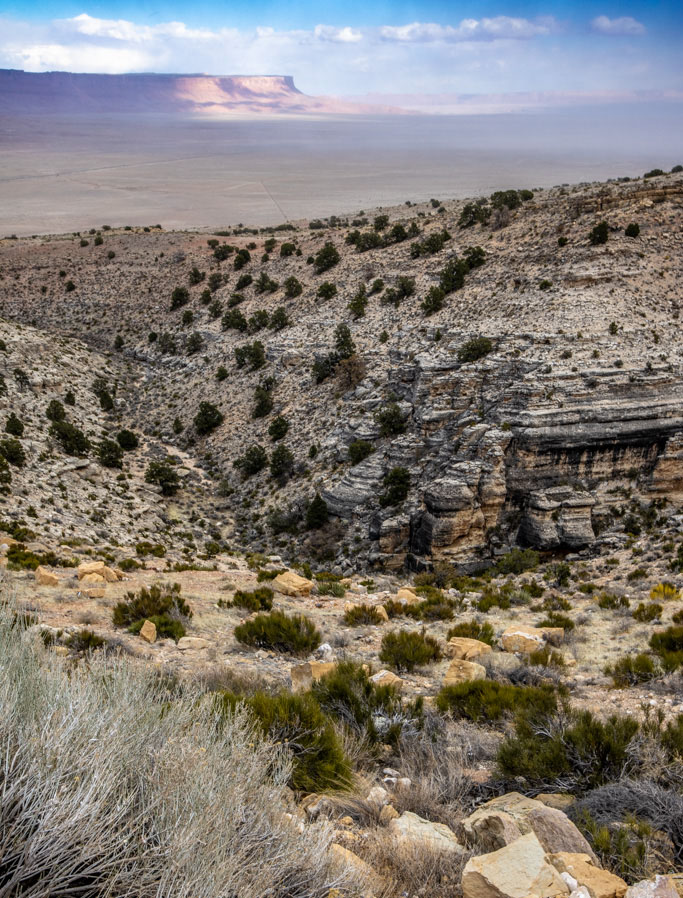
{"x": 110, "y": 454}
{"x": 221, "y": 373}
{"x": 297, "y": 722}
{"x": 630, "y": 670}
{"x": 668, "y": 644}
{"x": 430, "y": 245}
{"x": 547, "y": 657}
{"x": 72, "y": 440}
{"x": 408, "y": 649}
{"x": 293, "y": 635}
{"x": 164, "y": 475}
{"x": 473, "y": 630}
{"x": 653, "y": 173}
{"x": 167, "y": 627}
{"x": 55, "y": 410}
{"x": 161, "y": 603}
{"x": 509, "y": 198}
{"x": 555, "y": 619}
{"x": 101, "y": 390}
{"x": 196, "y": 276}
{"x": 348, "y": 694}
{"x": 326, "y": 257}
{"x": 207, "y": 419}
{"x": 434, "y": 301}
{"x": 360, "y": 450}
{"x": 279, "y": 319}
{"x": 293, "y": 287}
{"x": 517, "y": 561}
{"x": 358, "y": 303}
{"x": 396, "y": 487}
{"x": 254, "y": 460}
{"x": 647, "y": 613}
{"x": 5, "y": 474}
{"x": 194, "y": 343}
{"x": 127, "y": 440}
{"x": 632, "y": 230}
{"x": 573, "y": 748}
{"x": 611, "y": 602}
{"x": 331, "y": 588}
{"x": 21, "y": 558}
{"x": 317, "y": 513}
{"x": 281, "y": 463}
{"x": 252, "y": 354}
{"x": 263, "y": 398}
{"x": 260, "y": 599}
{"x": 179, "y": 297}
{"x": 287, "y": 249}
{"x": 599, "y": 234}
{"x": 13, "y": 452}
{"x": 278, "y": 428}
{"x": 391, "y": 420}
{"x": 242, "y": 257}
{"x": 326, "y": 290}
{"x": 84, "y": 641}
{"x": 145, "y": 548}
{"x": 474, "y": 213}
{"x": 489, "y": 700}
{"x": 362, "y": 615}
{"x": 475, "y": 349}
{"x": 14, "y": 426}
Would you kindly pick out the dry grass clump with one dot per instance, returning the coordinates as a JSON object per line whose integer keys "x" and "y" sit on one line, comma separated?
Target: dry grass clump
{"x": 113, "y": 785}
{"x": 411, "y": 869}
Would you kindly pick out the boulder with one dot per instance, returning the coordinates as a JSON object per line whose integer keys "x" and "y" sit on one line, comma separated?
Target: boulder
{"x": 556, "y": 832}
{"x": 95, "y": 592}
{"x": 558, "y": 800}
{"x": 464, "y": 649}
{"x": 407, "y": 596}
{"x": 304, "y": 675}
{"x": 193, "y": 643}
{"x": 420, "y": 832}
{"x": 387, "y": 814}
{"x": 90, "y": 567}
{"x": 659, "y": 887}
{"x": 346, "y": 859}
{"x": 495, "y": 822}
{"x": 387, "y": 678}
{"x": 109, "y": 574}
{"x": 148, "y": 631}
{"x": 523, "y": 639}
{"x": 45, "y": 577}
{"x": 519, "y": 870}
{"x": 92, "y": 580}
{"x": 291, "y": 584}
{"x": 378, "y": 796}
{"x": 382, "y": 611}
{"x": 600, "y": 883}
{"x": 463, "y": 672}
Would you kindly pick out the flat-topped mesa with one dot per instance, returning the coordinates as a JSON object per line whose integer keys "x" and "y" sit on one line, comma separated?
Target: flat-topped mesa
{"x": 27, "y": 93}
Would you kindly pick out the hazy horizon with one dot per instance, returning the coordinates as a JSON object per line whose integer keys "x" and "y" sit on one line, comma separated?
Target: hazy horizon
{"x": 65, "y": 174}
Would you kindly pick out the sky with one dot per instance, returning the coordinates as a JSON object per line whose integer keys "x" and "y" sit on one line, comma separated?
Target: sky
{"x": 358, "y": 47}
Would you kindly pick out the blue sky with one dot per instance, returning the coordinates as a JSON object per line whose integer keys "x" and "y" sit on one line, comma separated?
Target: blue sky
{"x": 350, "y": 47}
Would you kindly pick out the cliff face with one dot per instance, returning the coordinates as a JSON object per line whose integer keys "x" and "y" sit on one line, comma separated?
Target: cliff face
{"x": 32, "y": 93}
{"x": 508, "y": 450}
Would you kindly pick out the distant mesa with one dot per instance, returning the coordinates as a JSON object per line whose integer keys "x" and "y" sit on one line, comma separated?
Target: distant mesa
{"x": 28, "y": 93}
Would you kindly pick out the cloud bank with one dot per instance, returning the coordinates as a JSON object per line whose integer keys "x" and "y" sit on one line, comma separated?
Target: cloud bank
{"x": 484, "y": 55}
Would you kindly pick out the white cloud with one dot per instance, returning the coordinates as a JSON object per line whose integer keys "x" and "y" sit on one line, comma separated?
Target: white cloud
{"x": 122, "y": 30}
{"x": 77, "y": 58}
{"x": 497, "y": 28}
{"x": 337, "y": 35}
{"x": 624, "y": 25}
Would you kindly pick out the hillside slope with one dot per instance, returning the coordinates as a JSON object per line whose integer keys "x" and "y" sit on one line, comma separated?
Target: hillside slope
{"x": 568, "y": 422}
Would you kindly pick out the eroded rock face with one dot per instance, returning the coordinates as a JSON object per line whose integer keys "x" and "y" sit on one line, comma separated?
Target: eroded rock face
{"x": 537, "y": 468}
{"x": 558, "y": 517}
